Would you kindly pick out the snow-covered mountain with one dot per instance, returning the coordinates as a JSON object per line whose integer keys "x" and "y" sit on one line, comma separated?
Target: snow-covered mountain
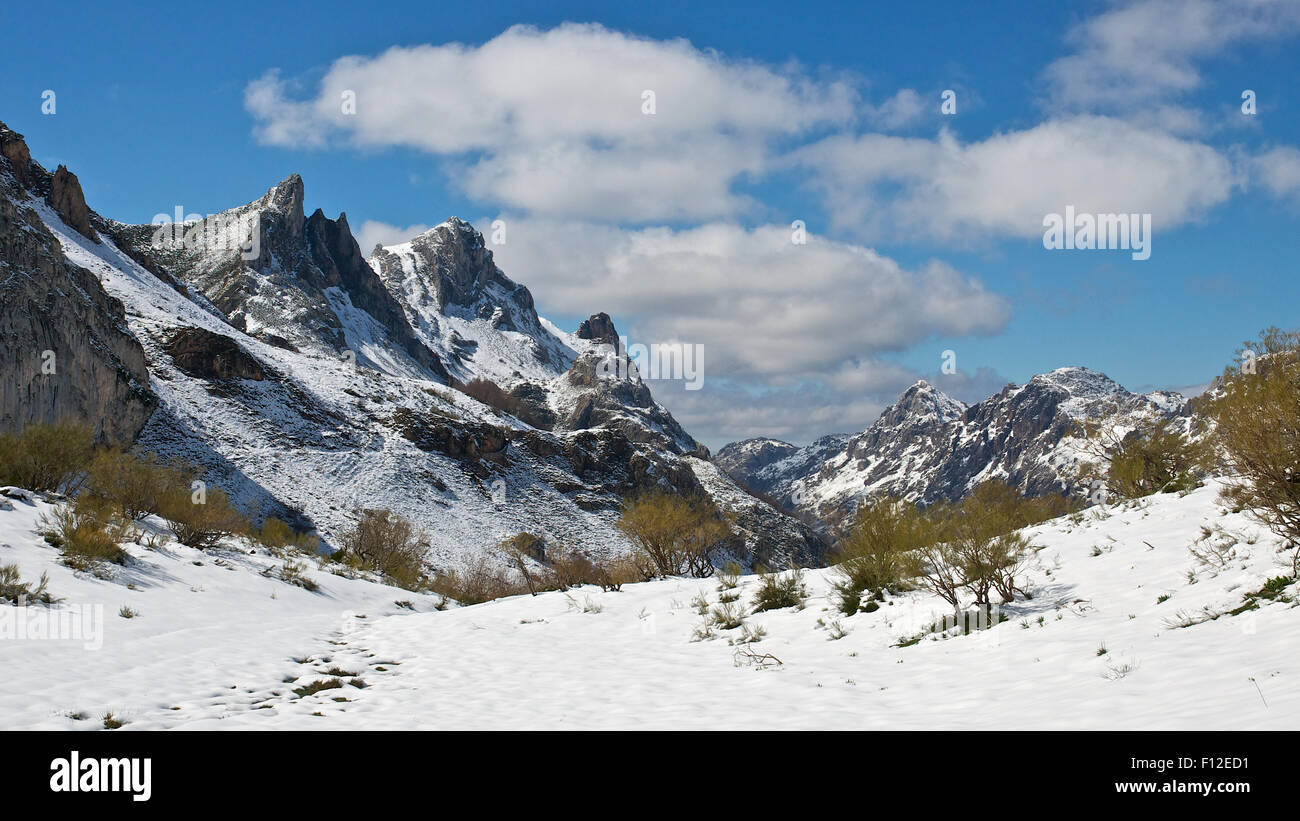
{"x": 310, "y": 384}
{"x": 462, "y": 306}
{"x": 928, "y": 446}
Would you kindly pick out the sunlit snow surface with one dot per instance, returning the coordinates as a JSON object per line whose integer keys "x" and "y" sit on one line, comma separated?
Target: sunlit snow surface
{"x": 219, "y": 644}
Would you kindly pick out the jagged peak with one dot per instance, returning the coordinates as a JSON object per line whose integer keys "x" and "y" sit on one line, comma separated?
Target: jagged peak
{"x": 1078, "y": 380}
{"x": 289, "y": 189}
{"x": 923, "y": 391}
{"x": 922, "y": 403}
{"x": 757, "y": 441}
{"x": 287, "y": 198}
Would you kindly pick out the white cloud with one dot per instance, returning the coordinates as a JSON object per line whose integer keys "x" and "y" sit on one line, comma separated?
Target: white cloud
{"x": 765, "y": 308}
{"x": 903, "y": 109}
{"x": 1278, "y": 171}
{"x": 1004, "y": 185}
{"x": 553, "y": 120}
{"x": 799, "y": 415}
{"x": 1139, "y": 58}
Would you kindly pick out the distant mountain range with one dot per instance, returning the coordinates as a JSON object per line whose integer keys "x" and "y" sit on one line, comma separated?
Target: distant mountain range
{"x": 928, "y": 446}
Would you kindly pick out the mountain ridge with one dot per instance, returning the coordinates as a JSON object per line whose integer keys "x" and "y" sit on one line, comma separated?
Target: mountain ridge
{"x": 928, "y": 447}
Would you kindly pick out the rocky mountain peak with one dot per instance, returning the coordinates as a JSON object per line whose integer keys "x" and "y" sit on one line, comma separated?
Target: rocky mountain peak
{"x": 922, "y": 403}
{"x": 1078, "y": 381}
{"x": 598, "y": 328}
{"x": 287, "y": 199}
{"x": 451, "y": 266}
{"x": 69, "y": 202}
{"x": 14, "y": 149}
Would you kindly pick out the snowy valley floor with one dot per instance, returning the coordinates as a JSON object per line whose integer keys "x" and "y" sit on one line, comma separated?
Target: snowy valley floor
{"x": 217, "y": 644}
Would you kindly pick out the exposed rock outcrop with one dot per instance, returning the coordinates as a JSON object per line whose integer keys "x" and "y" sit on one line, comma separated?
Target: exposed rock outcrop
{"x": 66, "y": 352}
{"x": 69, "y": 202}
{"x": 598, "y": 328}
{"x": 207, "y": 355}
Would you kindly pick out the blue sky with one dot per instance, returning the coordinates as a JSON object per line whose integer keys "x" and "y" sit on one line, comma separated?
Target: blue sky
{"x": 929, "y": 224}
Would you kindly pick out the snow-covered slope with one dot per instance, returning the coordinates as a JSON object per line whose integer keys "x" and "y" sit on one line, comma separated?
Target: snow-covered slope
{"x": 219, "y": 645}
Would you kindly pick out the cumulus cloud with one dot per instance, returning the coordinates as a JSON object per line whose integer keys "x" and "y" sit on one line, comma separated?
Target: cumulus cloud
{"x": 550, "y": 128}
{"x": 970, "y": 387}
{"x": 557, "y": 120}
{"x": 796, "y": 338}
{"x": 727, "y": 412}
{"x": 765, "y": 307}
{"x": 1004, "y": 185}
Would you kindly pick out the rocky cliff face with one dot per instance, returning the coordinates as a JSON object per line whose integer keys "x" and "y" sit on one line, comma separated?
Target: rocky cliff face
{"x": 66, "y": 352}
{"x": 928, "y": 446}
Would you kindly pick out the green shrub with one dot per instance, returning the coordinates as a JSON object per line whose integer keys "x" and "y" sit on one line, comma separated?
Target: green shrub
{"x": 47, "y": 457}
{"x": 84, "y": 534}
{"x": 727, "y": 616}
{"x": 201, "y": 521}
{"x": 135, "y": 485}
{"x": 14, "y": 590}
{"x": 295, "y": 573}
{"x": 1158, "y": 459}
{"x": 777, "y": 590}
{"x": 1257, "y": 423}
{"x": 478, "y": 583}
{"x": 876, "y": 554}
{"x": 277, "y": 535}
{"x": 389, "y": 544}
{"x": 674, "y": 535}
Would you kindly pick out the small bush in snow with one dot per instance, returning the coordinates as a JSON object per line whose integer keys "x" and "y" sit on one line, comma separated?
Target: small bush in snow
{"x": 475, "y": 584}
{"x": 1257, "y": 422}
{"x": 134, "y": 486}
{"x": 876, "y": 553}
{"x": 1158, "y": 459}
{"x": 729, "y": 578}
{"x": 390, "y": 544}
{"x": 727, "y": 616}
{"x": 84, "y": 535}
{"x": 14, "y": 590}
{"x": 276, "y": 534}
{"x": 295, "y": 573}
{"x": 201, "y": 524}
{"x": 778, "y": 590}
